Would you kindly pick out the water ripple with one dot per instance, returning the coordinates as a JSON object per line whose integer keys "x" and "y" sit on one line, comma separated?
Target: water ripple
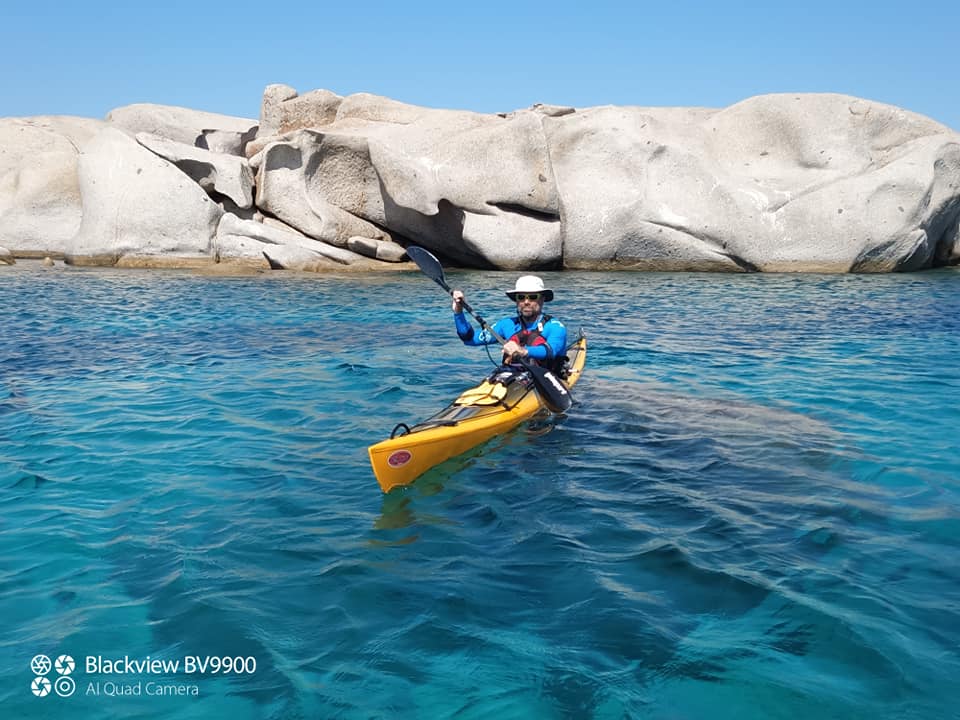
{"x": 752, "y": 510}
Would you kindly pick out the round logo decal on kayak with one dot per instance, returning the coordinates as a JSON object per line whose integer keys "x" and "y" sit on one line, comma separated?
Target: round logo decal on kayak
{"x": 399, "y": 458}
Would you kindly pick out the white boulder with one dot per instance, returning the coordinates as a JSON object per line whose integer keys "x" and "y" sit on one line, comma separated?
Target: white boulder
{"x": 385, "y": 250}
{"x": 176, "y": 123}
{"x": 226, "y": 141}
{"x": 289, "y": 257}
{"x": 477, "y": 187}
{"x": 282, "y": 110}
{"x": 216, "y": 173}
{"x": 247, "y": 239}
{"x": 40, "y": 206}
{"x": 135, "y": 203}
{"x": 835, "y": 182}
{"x": 292, "y": 257}
{"x": 287, "y": 177}
{"x": 775, "y": 183}
{"x": 809, "y": 182}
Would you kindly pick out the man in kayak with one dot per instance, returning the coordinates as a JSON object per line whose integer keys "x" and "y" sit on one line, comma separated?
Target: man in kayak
{"x": 530, "y": 334}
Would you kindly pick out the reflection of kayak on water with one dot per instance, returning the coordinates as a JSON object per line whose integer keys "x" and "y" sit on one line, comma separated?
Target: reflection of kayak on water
{"x": 507, "y": 397}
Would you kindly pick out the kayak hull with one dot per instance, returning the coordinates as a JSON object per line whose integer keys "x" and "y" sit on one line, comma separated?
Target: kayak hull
{"x": 481, "y": 413}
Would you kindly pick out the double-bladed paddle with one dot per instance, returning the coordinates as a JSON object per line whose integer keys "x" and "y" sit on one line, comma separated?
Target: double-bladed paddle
{"x": 555, "y": 394}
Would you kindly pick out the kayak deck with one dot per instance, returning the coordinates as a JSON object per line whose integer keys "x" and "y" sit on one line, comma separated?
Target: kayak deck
{"x": 501, "y": 402}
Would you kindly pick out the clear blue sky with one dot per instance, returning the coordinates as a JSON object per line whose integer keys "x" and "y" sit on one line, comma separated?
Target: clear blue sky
{"x": 86, "y": 58}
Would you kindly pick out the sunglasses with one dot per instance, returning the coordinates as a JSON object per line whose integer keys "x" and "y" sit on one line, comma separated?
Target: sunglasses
{"x": 527, "y": 296}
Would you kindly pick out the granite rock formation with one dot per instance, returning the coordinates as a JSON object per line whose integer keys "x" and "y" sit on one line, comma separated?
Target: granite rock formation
{"x": 809, "y": 182}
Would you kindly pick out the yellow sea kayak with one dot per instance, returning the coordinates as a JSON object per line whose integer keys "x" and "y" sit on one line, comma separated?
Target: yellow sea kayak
{"x": 501, "y": 402}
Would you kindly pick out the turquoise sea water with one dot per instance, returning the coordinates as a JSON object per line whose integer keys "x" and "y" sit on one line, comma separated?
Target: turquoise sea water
{"x": 753, "y": 511}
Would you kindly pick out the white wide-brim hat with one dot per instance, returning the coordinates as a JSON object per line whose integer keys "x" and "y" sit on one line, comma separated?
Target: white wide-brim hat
{"x": 530, "y": 284}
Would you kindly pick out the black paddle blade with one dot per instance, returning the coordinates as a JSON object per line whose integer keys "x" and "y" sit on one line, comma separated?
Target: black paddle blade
{"x": 554, "y": 393}
{"x": 428, "y": 264}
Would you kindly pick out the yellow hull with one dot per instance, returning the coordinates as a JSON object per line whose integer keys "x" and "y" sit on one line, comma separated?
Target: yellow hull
{"x": 476, "y": 416}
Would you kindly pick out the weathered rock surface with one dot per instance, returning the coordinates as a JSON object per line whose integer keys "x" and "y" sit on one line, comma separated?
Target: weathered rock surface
{"x": 478, "y": 188}
{"x": 250, "y": 240}
{"x": 775, "y": 183}
{"x": 217, "y": 173}
{"x": 286, "y": 178}
{"x": 385, "y": 250}
{"x": 137, "y": 204}
{"x": 778, "y": 183}
{"x": 624, "y": 176}
{"x": 6, "y": 257}
{"x": 287, "y": 257}
{"x": 810, "y": 182}
{"x": 282, "y": 111}
{"x": 40, "y": 206}
{"x": 176, "y": 123}
{"x": 226, "y": 142}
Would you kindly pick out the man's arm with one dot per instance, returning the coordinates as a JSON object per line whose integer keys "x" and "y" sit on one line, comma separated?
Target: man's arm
{"x": 469, "y": 336}
{"x": 555, "y": 334}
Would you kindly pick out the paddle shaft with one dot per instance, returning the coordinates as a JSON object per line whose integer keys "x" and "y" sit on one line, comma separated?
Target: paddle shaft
{"x": 466, "y": 306}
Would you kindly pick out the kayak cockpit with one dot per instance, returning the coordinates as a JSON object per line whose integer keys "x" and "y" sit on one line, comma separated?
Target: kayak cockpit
{"x": 505, "y": 398}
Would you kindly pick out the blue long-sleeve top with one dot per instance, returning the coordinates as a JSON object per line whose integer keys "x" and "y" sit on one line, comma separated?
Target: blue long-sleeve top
{"x": 554, "y": 333}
